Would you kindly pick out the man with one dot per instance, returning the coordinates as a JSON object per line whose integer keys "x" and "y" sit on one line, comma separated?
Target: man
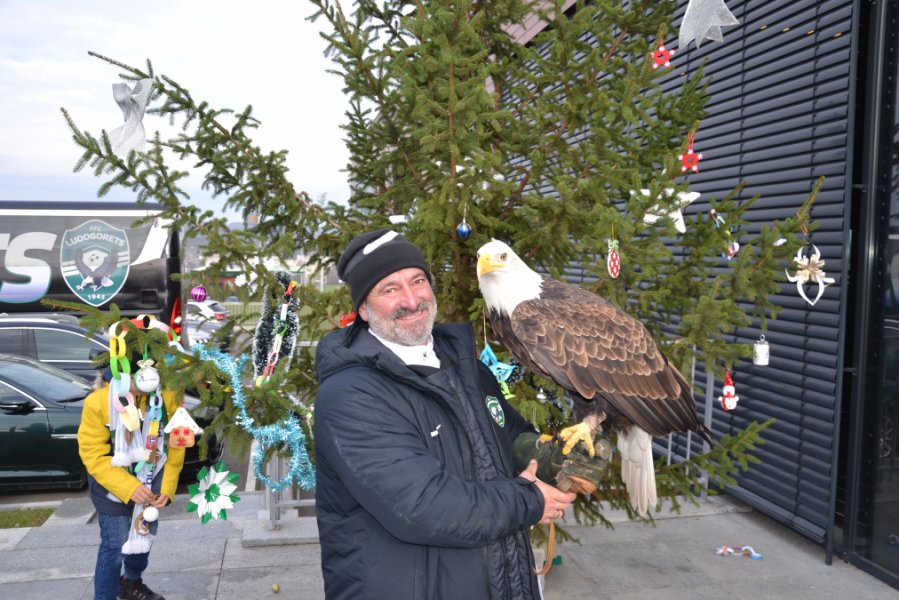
{"x": 416, "y": 494}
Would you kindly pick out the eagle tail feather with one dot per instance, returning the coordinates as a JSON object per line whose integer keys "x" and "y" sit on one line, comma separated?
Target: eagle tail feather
{"x": 637, "y": 468}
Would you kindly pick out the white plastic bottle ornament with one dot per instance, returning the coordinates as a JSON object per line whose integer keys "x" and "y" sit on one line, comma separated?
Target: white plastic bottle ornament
{"x": 147, "y": 379}
{"x": 760, "y": 352}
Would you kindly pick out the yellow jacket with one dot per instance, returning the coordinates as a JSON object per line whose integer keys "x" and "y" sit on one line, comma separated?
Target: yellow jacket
{"x": 96, "y": 451}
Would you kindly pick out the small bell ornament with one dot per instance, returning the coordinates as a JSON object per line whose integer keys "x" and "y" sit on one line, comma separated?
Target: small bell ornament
{"x": 729, "y": 398}
{"x": 760, "y": 352}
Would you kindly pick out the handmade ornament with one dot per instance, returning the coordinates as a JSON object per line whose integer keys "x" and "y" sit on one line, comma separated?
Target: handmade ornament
{"x": 733, "y": 246}
{"x": 147, "y": 378}
{"x": 198, "y": 293}
{"x": 729, "y": 398}
{"x": 703, "y": 20}
{"x": 182, "y": 429}
{"x": 288, "y": 432}
{"x": 760, "y": 352}
{"x": 347, "y": 319}
{"x": 747, "y": 551}
{"x": 673, "y": 212}
{"x": 214, "y": 494}
{"x": 276, "y": 332}
{"x": 500, "y": 370}
{"x": 613, "y": 263}
{"x": 690, "y": 159}
{"x": 133, "y": 102}
{"x": 809, "y": 270}
{"x": 662, "y": 57}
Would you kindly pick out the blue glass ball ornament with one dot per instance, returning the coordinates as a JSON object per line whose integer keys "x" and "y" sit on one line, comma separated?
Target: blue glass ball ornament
{"x": 198, "y": 293}
{"x": 463, "y": 230}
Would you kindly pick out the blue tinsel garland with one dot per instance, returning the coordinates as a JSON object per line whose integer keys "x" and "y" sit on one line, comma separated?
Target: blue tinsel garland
{"x": 288, "y": 432}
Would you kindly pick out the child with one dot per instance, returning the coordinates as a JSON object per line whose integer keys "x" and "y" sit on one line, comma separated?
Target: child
{"x": 115, "y": 490}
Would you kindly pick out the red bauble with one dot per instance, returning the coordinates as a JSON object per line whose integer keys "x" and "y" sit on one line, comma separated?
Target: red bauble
{"x": 614, "y": 261}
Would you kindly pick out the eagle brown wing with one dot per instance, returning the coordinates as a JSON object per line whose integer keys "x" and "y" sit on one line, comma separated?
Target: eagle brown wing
{"x": 588, "y": 346}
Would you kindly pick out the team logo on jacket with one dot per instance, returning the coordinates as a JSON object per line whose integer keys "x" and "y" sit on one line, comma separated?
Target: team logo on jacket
{"x": 496, "y": 411}
{"x": 94, "y": 258}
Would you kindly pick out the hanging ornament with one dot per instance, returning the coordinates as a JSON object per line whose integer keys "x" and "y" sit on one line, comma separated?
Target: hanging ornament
{"x": 464, "y": 230}
{"x": 214, "y": 494}
{"x": 182, "y": 429}
{"x": 760, "y": 352}
{"x": 541, "y": 396}
{"x": 703, "y": 20}
{"x": 729, "y": 398}
{"x": 613, "y": 263}
{"x": 133, "y": 102}
{"x": 288, "y": 432}
{"x": 690, "y": 160}
{"x": 276, "y": 331}
{"x": 347, "y": 319}
{"x": 733, "y": 246}
{"x": 674, "y": 211}
{"x": 809, "y": 270}
{"x": 500, "y": 370}
{"x": 198, "y": 293}
{"x": 147, "y": 378}
{"x": 662, "y": 57}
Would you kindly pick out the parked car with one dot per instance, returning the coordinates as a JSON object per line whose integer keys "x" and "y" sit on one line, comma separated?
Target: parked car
{"x": 40, "y": 409}
{"x": 205, "y": 319}
{"x": 208, "y": 310}
{"x": 58, "y": 340}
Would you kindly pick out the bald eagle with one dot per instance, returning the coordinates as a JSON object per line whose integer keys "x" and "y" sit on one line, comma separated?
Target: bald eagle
{"x": 609, "y": 365}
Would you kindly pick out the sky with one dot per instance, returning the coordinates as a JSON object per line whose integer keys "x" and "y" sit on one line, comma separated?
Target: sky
{"x": 230, "y": 53}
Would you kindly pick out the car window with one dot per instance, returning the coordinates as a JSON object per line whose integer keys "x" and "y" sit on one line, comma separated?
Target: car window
{"x": 216, "y": 307}
{"x": 56, "y": 344}
{"x": 11, "y": 341}
{"x": 43, "y": 381}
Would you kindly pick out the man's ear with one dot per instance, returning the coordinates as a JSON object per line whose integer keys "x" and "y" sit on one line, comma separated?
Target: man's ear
{"x": 362, "y": 312}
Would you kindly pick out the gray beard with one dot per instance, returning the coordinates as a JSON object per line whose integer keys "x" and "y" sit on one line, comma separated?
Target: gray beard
{"x": 388, "y": 329}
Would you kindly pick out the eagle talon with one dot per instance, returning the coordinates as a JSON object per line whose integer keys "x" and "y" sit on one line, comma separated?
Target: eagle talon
{"x": 583, "y": 433}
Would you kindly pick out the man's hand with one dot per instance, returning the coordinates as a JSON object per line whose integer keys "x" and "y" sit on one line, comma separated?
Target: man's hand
{"x": 555, "y": 501}
{"x": 142, "y": 495}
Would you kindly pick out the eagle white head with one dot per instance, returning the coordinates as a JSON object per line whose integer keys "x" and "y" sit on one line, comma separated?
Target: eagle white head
{"x": 504, "y": 279}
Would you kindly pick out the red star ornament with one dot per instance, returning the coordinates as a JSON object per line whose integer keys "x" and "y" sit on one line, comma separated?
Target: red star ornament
{"x": 662, "y": 57}
{"x": 691, "y": 159}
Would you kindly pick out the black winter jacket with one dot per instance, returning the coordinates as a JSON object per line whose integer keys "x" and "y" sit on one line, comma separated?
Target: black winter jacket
{"x": 417, "y": 495}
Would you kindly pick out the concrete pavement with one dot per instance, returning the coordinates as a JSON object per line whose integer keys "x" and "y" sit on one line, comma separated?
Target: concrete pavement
{"x": 240, "y": 559}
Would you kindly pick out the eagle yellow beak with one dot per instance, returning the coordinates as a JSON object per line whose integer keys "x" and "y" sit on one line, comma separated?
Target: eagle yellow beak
{"x": 485, "y": 264}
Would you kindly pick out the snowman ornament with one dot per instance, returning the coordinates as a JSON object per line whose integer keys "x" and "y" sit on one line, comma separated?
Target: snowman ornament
{"x": 729, "y": 396}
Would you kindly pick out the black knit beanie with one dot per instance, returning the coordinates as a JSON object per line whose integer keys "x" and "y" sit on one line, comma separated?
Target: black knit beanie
{"x": 372, "y": 256}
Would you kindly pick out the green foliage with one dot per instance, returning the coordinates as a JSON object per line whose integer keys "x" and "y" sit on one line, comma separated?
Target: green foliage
{"x": 545, "y": 145}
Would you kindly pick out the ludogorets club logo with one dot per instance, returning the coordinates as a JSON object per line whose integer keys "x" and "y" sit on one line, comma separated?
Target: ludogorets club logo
{"x": 94, "y": 258}
{"x": 496, "y": 410}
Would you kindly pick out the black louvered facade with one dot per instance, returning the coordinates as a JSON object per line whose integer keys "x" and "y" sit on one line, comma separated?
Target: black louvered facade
{"x": 779, "y": 118}
{"x": 803, "y": 89}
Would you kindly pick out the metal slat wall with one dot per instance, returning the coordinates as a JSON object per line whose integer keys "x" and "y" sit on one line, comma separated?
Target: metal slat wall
{"x": 778, "y": 118}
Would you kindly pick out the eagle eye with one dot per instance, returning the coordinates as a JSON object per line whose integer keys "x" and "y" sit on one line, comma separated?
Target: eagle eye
{"x": 503, "y": 257}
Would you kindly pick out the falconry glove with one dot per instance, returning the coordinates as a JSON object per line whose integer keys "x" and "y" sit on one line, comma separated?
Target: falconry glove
{"x": 575, "y": 472}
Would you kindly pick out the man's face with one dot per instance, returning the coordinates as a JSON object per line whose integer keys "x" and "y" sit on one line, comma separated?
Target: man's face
{"x": 401, "y": 307}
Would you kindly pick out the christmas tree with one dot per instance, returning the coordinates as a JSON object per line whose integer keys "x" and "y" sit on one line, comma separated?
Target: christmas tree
{"x": 574, "y": 148}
